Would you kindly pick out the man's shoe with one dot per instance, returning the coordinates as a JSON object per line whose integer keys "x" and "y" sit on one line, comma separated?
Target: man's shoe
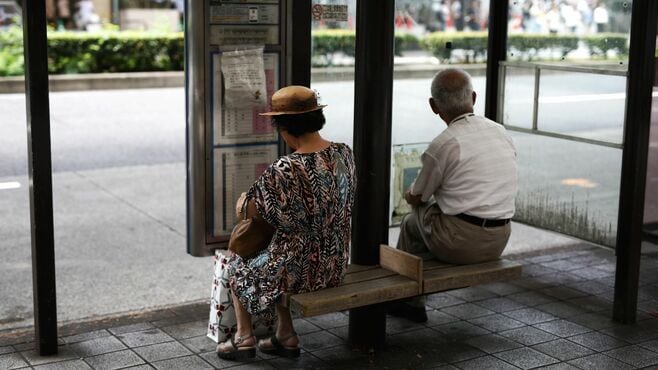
{"x": 407, "y": 311}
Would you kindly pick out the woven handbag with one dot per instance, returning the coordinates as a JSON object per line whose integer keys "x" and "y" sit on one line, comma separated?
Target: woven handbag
{"x": 251, "y": 234}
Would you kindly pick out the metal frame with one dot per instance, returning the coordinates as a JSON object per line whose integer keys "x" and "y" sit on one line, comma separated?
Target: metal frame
{"x": 639, "y": 90}
{"x": 538, "y": 67}
{"x": 40, "y": 176}
{"x": 496, "y": 54}
{"x": 373, "y": 98}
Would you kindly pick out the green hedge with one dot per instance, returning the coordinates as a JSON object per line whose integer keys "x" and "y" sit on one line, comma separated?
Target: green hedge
{"x": 112, "y": 51}
{"x": 82, "y": 52}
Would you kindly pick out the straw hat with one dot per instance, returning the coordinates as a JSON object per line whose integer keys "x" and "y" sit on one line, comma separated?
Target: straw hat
{"x": 293, "y": 100}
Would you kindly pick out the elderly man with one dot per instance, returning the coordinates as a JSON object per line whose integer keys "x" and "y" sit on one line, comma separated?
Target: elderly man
{"x": 463, "y": 197}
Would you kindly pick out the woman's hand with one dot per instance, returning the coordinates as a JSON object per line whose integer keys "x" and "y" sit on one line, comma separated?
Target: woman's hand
{"x": 239, "y": 205}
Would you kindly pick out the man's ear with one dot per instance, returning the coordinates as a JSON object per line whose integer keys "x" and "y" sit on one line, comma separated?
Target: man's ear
{"x": 474, "y": 97}
{"x": 435, "y": 109}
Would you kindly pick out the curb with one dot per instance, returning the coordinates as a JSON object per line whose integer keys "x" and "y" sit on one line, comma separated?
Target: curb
{"x": 145, "y": 80}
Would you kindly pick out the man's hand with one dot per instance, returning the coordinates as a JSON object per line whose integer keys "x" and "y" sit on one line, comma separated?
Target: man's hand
{"x": 413, "y": 200}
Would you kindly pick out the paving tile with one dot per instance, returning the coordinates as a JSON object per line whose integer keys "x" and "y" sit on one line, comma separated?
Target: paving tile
{"x": 162, "y": 351}
{"x": 467, "y": 311}
{"x": 212, "y": 359}
{"x": 460, "y": 330}
{"x": 145, "y": 338}
{"x": 65, "y": 365}
{"x": 97, "y": 346}
{"x": 593, "y": 321}
{"x": 532, "y": 283}
{"x": 436, "y": 317}
{"x": 303, "y": 326}
{"x": 141, "y": 326}
{"x": 343, "y": 357}
{"x": 561, "y": 278}
{"x": 599, "y": 362}
{"x": 563, "y": 292}
{"x": 563, "y": 349}
{"x": 501, "y": 288}
{"x": 562, "y": 265}
{"x": 501, "y": 304}
{"x": 252, "y": 366}
{"x": 86, "y": 336}
{"x": 199, "y": 344}
{"x": 114, "y": 360}
{"x": 6, "y": 349}
{"x": 592, "y": 303}
{"x": 591, "y": 273}
{"x": 456, "y": 351}
{"x": 173, "y": 320}
{"x": 190, "y": 362}
{"x": 485, "y": 362}
{"x": 140, "y": 367}
{"x": 399, "y": 325}
{"x": 418, "y": 339}
{"x": 496, "y": 323}
{"x": 187, "y": 330}
{"x": 531, "y": 299}
{"x": 562, "y": 328}
{"x": 530, "y": 316}
{"x": 441, "y": 300}
{"x": 319, "y": 340}
{"x": 559, "y": 366}
{"x": 492, "y": 343}
{"x": 472, "y": 294}
{"x": 598, "y": 341}
{"x": 12, "y": 361}
{"x": 526, "y": 358}
{"x": 397, "y": 357}
{"x": 63, "y": 353}
{"x": 537, "y": 270}
{"x": 328, "y": 321}
{"x": 341, "y": 332}
{"x": 636, "y": 333}
{"x": 25, "y": 346}
{"x": 590, "y": 287}
{"x": 561, "y": 309}
{"x": 528, "y": 335}
{"x": 305, "y": 361}
{"x": 634, "y": 355}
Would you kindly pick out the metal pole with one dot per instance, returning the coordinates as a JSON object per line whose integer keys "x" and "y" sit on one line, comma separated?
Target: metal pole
{"x": 496, "y": 53}
{"x": 639, "y": 89}
{"x": 373, "y": 93}
{"x": 40, "y": 176}
{"x": 300, "y": 22}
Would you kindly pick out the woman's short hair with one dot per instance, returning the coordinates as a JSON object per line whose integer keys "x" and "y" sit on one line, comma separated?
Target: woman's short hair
{"x": 300, "y": 124}
{"x": 452, "y": 91}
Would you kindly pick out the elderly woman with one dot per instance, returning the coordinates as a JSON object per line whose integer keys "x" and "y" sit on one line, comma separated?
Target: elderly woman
{"x": 307, "y": 197}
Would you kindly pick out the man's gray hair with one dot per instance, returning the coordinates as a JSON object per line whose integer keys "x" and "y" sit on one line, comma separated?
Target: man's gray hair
{"x": 452, "y": 91}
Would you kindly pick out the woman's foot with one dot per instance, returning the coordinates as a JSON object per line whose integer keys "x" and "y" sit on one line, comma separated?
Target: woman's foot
{"x": 281, "y": 345}
{"x": 237, "y": 348}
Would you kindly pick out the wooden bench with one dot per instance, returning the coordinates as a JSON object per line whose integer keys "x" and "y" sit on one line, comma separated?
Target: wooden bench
{"x": 399, "y": 275}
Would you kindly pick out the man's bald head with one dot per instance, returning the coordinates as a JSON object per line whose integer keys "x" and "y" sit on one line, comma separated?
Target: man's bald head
{"x": 452, "y": 92}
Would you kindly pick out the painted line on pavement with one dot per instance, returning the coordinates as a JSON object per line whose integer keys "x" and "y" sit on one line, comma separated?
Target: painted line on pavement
{"x": 10, "y": 185}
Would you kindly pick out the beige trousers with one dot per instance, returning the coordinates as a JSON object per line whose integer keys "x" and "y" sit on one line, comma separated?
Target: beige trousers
{"x": 449, "y": 238}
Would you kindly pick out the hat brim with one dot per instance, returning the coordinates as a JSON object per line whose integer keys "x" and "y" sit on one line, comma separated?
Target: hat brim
{"x": 292, "y": 112}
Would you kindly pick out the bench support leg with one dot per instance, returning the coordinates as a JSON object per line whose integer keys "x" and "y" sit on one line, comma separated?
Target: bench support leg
{"x": 368, "y": 327}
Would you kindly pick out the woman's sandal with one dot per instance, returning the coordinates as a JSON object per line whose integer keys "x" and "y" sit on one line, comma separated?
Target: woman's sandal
{"x": 238, "y": 352}
{"x": 276, "y": 347}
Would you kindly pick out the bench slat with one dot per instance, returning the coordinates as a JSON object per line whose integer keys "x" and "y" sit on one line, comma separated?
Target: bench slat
{"x": 345, "y": 297}
{"x": 402, "y": 263}
{"x": 371, "y": 274}
{"x": 435, "y": 264}
{"x": 442, "y": 279}
{"x": 352, "y": 268}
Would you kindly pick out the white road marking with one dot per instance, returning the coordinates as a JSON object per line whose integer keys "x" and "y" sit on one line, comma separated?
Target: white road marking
{"x": 580, "y": 98}
{"x": 10, "y": 185}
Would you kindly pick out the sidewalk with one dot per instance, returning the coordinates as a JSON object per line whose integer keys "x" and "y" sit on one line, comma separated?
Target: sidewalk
{"x": 557, "y": 316}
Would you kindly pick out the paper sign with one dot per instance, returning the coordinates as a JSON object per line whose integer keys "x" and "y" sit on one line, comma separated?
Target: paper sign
{"x": 244, "y": 35}
{"x": 329, "y": 13}
{"x": 235, "y": 170}
{"x": 244, "y": 14}
{"x": 243, "y": 73}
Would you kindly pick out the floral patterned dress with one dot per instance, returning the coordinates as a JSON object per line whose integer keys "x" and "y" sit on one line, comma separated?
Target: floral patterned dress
{"x": 308, "y": 199}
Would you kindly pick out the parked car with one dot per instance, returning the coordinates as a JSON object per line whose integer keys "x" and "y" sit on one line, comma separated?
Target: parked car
{"x": 10, "y": 13}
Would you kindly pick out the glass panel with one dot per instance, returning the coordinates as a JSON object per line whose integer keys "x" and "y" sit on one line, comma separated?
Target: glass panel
{"x": 582, "y": 104}
{"x": 651, "y": 195}
{"x": 332, "y": 75}
{"x": 568, "y": 187}
{"x": 519, "y": 97}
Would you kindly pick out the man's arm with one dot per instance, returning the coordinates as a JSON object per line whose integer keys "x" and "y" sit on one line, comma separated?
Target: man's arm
{"x": 413, "y": 200}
